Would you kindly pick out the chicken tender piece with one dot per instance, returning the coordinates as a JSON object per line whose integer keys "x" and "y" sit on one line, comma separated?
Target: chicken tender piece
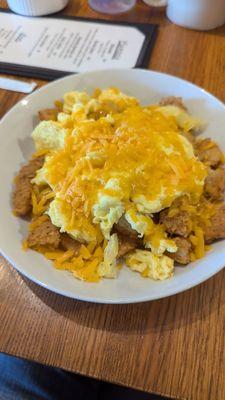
{"x": 69, "y": 243}
{"x": 45, "y": 234}
{"x": 216, "y": 230}
{"x": 208, "y": 152}
{"x": 215, "y": 183}
{"x": 126, "y": 244}
{"x": 48, "y": 114}
{"x": 179, "y": 224}
{"x": 22, "y": 192}
{"x": 123, "y": 227}
{"x": 183, "y": 253}
{"x": 173, "y": 101}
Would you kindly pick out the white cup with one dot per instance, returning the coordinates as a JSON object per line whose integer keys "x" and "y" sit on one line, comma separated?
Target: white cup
{"x": 194, "y": 14}
{"x": 36, "y": 7}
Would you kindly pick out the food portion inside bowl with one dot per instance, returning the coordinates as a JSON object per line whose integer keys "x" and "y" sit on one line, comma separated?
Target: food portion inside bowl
{"x": 113, "y": 180}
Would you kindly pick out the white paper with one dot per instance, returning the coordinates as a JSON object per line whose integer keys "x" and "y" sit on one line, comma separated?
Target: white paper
{"x": 17, "y": 86}
{"x": 67, "y": 45}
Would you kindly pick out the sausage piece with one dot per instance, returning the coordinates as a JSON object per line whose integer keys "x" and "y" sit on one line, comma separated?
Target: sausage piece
{"x": 173, "y": 101}
{"x": 216, "y": 230}
{"x": 69, "y": 243}
{"x": 215, "y": 183}
{"x": 208, "y": 152}
{"x": 22, "y": 191}
{"x": 123, "y": 227}
{"x": 183, "y": 253}
{"x": 45, "y": 234}
{"x": 179, "y": 224}
{"x": 127, "y": 244}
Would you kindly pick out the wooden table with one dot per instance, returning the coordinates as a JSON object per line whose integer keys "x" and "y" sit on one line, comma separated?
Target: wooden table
{"x": 174, "y": 346}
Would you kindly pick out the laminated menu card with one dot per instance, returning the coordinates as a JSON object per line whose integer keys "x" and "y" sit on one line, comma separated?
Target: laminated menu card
{"x": 51, "y": 47}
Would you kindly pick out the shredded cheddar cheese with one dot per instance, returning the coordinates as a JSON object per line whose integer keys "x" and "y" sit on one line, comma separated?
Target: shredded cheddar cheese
{"x": 132, "y": 152}
{"x": 111, "y": 157}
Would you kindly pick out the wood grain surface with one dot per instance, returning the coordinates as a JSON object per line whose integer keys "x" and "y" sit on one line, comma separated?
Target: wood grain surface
{"x": 174, "y": 346}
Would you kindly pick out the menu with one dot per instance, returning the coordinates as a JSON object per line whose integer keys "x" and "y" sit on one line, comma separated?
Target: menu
{"x": 50, "y": 47}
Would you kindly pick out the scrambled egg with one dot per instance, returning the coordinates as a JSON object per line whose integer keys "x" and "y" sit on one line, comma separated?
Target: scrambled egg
{"x": 149, "y": 265}
{"x": 183, "y": 119}
{"x": 108, "y": 267}
{"x": 108, "y": 157}
{"x": 49, "y": 135}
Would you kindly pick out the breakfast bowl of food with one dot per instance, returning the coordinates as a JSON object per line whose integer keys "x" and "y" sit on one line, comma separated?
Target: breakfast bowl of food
{"x": 113, "y": 186}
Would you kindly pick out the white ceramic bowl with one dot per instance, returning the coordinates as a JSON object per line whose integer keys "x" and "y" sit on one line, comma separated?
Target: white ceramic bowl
{"x": 16, "y": 147}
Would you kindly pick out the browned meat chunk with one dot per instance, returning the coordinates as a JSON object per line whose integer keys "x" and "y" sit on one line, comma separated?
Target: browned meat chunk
{"x": 217, "y": 228}
{"x": 173, "y": 101}
{"x": 208, "y": 152}
{"x": 29, "y": 170}
{"x": 22, "y": 191}
{"x": 126, "y": 244}
{"x": 69, "y": 243}
{"x": 215, "y": 183}
{"x": 22, "y": 197}
{"x": 179, "y": 224}
{"x": 182, "y": 255}
{"x": 123, "y": 227}
{"x": 48, "y": 114}
{"x": 45, "y": 234}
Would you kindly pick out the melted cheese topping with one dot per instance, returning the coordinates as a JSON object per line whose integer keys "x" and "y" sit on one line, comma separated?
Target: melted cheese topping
{"x": 131, "y": 161}
{"x": 132, "y": 152}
